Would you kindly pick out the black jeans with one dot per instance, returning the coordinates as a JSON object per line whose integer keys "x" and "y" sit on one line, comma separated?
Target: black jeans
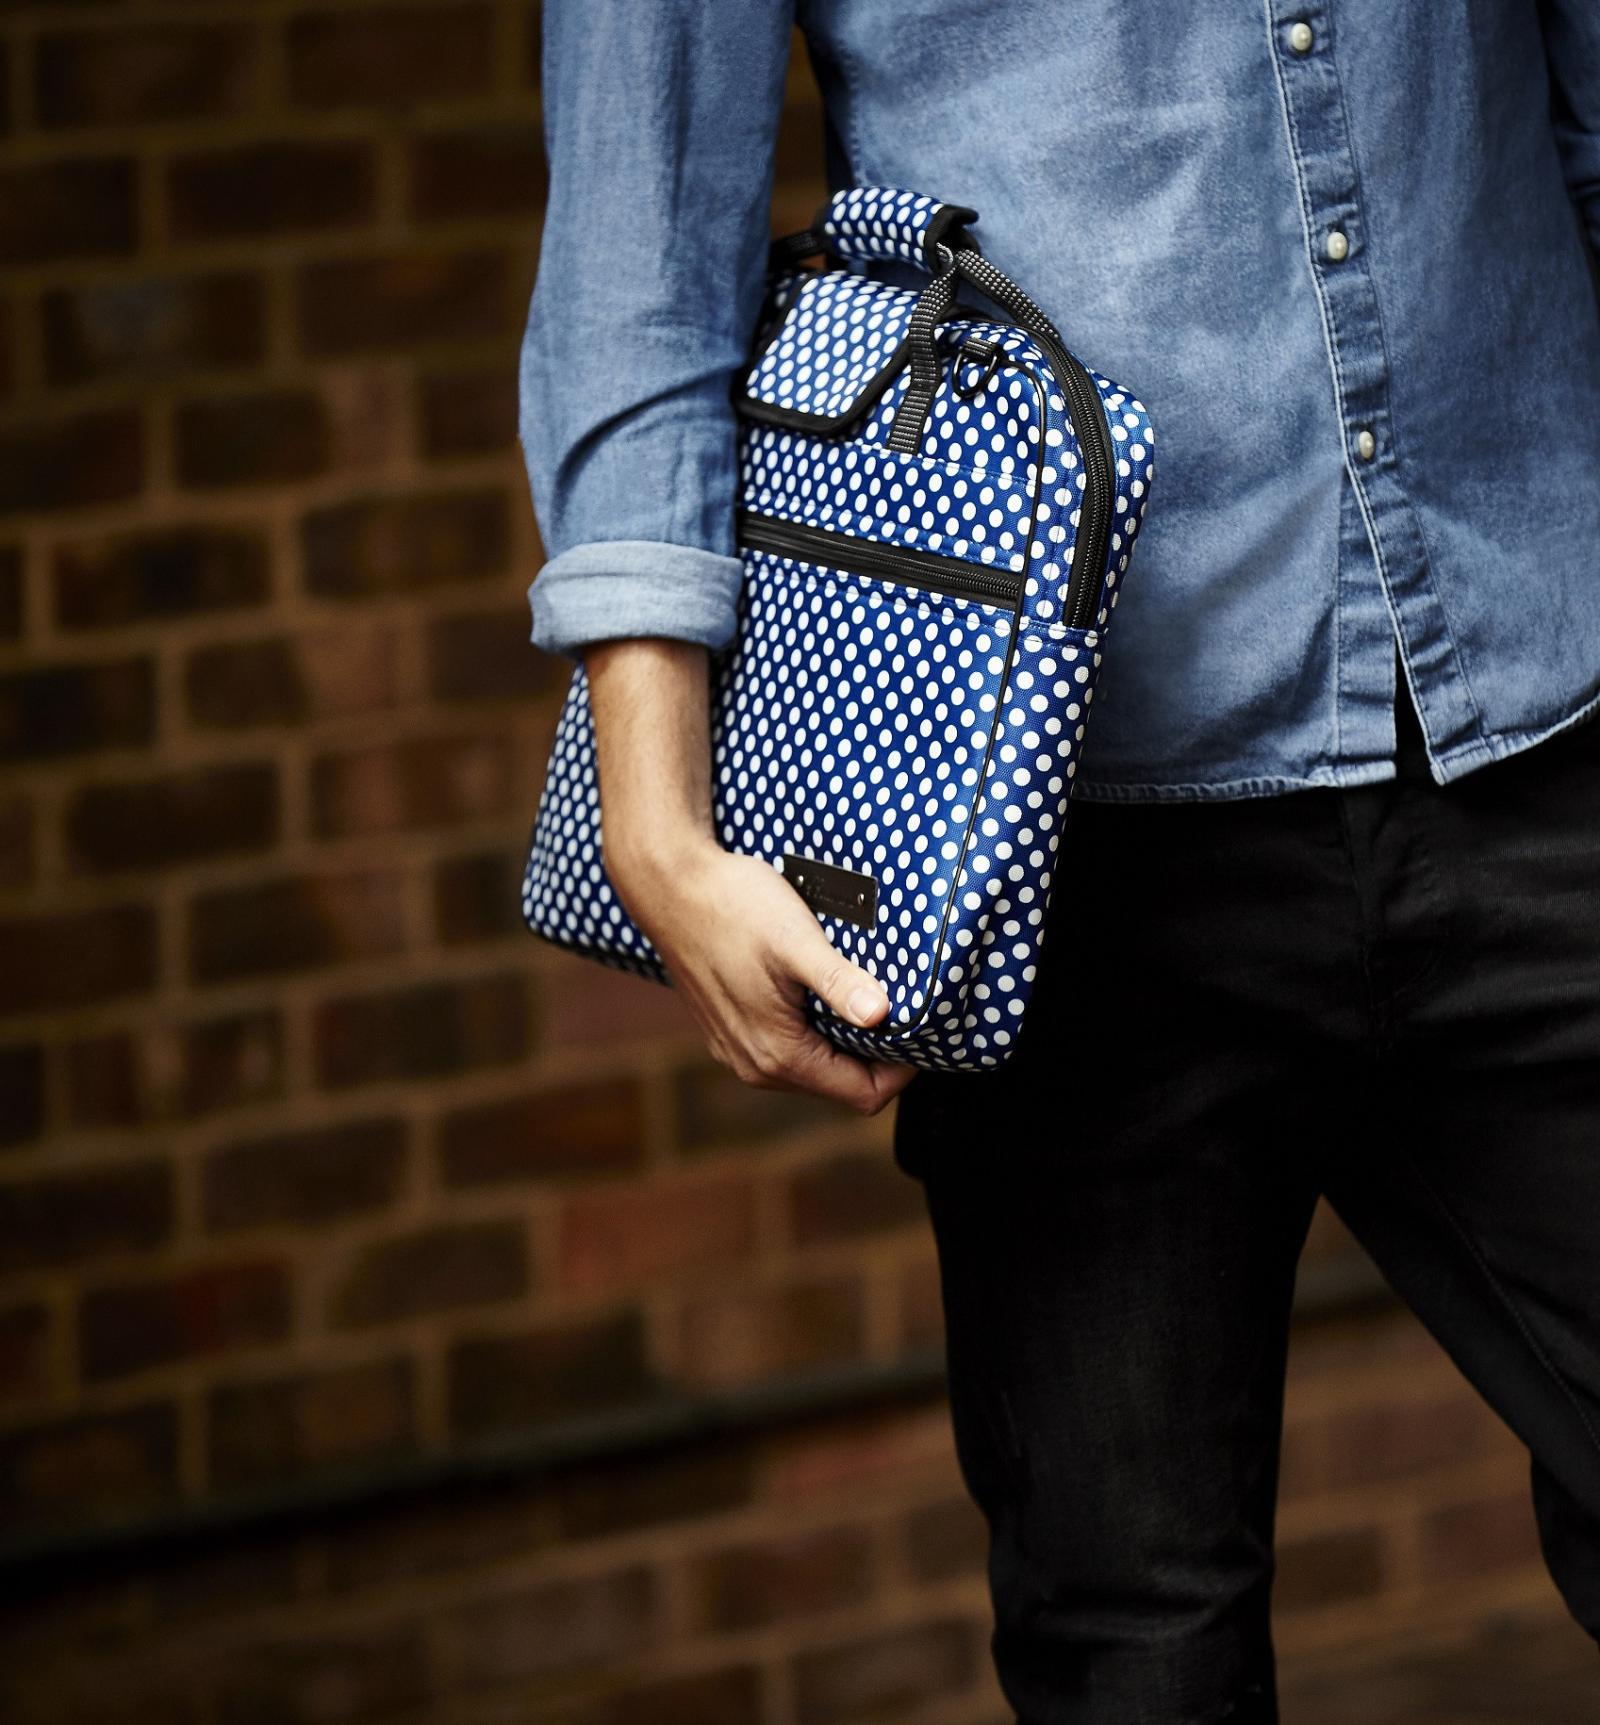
{"x": 1390, "y": 995}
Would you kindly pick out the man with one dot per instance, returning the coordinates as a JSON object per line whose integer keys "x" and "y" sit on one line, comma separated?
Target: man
{"x": 1331, "y": 889}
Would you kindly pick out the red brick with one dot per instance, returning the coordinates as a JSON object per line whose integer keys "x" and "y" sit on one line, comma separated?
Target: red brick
{"x": 511, "y": 1383}
{"x": 180, "y": 818}
{"x": 851, "y": 1195}
{"x": 944, "y": 1540}
{"x": 132, "y": 1327}
{"x": 439, "y": 1535}
{"x": 280, "y": 1429}
{"x": 727, "y": 1697}
{"x": 430, "y": 1030}
{"x": 156, "y": 73}
{"x": 95, "y": 1467}
{"x": 432, "y": 1270}
{"x": 13, "y": 594}
{"x": 105, "y": 1082}
{"x": 578, "y": 1129}
{"x": 412, "y": 785}
{"x": 636, "y": 1234}
{"x": 296, "y": 923}
{"x": 254, "y": 190}
{"x": 73, "y": 709}
{"x": 251, "y": 440}
{"x": 405, "y": 545}
{"x": 70, "y": 1218}
{"x": 1389, "y": 1440}
{"x": 21, "y": 1093}
{"x": 488, "y": 658}
{"x": 489, "y": 171}
{"x": 76, "y": 958}
{"x": 16, "y": 842}
{"x": 747, "y": 1586}
{"x": 625, "y": 1495}
{"x": 25, "y": 1341}
{"x": 405, "y": 300}
{"x": 757, "y": 1333}
{"x": 468, "y": 413}
{"x": 1464, "y": 1541}
{"x": 224, "y": 1063}
{"x": 1328, "y": 1569}
{"x": 888, "y": 1673}
{"x": 150, "y": 330}
{"x": 174, "y": 1071}
{"x": 395, "y": 57}
{"x": 585, "y": 1623}
{"x": 378, "y": 1672}
{"x": 477, "y": 897}
{"x": 151, "y": 577}
{"x": 304, "y": 1179}
{"x": 68, "y": 209}
{"x": 592, "y": 1007}
{"x": 921, "y": 1304}
{"x": 72, "y": 463}
{"x": 715, "y": 1110}
{"x": 323, "y": 674}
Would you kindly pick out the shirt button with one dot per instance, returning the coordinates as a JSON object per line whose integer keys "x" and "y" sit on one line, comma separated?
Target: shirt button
{"x": 1366, "y": 445}
{"x": 1337, "y": 246}
{"x": 1300, "y": 37}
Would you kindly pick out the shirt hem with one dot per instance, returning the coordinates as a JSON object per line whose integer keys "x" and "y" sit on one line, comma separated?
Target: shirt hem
{"x": 1233, "y": 790}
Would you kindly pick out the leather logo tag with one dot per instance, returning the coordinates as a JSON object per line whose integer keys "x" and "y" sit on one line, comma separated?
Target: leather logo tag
{"x": 839, "y": 892}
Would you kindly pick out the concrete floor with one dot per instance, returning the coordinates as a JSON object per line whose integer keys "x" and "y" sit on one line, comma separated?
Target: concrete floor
{"x": 1521, "y": 1674}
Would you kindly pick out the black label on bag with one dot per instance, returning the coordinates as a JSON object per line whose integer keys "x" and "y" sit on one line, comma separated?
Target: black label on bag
{"x": 833, "y": 891}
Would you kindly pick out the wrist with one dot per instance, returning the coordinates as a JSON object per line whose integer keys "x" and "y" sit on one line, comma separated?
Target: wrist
{"x": 657, "y": 856}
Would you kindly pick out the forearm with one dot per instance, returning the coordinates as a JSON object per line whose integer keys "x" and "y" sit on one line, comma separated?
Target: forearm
{"x": 650, "y": 702}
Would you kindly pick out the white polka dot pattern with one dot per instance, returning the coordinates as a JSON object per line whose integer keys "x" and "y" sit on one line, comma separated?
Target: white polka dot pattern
{"x": 869, "y": 223}
{"x": 926, "y": 739}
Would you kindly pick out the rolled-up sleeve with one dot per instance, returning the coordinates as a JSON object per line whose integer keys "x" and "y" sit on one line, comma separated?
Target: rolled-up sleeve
{"x": 1572, "y": 45}
{"x": 660, "y": 124}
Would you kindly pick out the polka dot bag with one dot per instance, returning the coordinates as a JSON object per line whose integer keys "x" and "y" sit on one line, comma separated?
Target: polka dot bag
{"x": 938, "y": 508}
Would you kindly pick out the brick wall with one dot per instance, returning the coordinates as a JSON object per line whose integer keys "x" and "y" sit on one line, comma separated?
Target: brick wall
{"x": 316, "y": 1171}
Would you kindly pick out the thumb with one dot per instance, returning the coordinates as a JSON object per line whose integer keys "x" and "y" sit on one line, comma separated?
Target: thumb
{"x": 851, "y": 992}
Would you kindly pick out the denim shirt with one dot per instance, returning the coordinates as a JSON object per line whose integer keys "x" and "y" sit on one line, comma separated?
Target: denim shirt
{"x": 1340, "y": 248}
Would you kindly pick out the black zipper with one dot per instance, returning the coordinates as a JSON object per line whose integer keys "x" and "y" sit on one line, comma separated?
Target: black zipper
{"x": 1094, "y": 513}
{"x": 952, "y": 575}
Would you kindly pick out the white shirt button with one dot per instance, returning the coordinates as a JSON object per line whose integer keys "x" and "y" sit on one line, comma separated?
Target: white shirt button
{"x": 1300, "y": 37}
{"x": 1366, "y": 445}
{"x": 1337, "y": 246}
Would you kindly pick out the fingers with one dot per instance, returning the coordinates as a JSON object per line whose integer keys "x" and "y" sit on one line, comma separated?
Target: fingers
{"x": 851, "y": 992}
{"x": 814, "y": 1065}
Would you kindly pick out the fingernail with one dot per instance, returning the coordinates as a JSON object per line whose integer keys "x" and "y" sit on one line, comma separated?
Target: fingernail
{"x": 864, "y": 1004}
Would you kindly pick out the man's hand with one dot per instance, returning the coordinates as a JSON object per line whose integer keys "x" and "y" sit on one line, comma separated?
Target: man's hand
{"x": 739, "y": 943}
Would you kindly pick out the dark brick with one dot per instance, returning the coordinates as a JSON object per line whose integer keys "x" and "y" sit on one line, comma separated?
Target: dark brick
{"x": 761, "y": 1333}
{"x": 136, "y": 1326}
{"x": 428, "y": 1031}
{"x": 307, "y": 1179}
{"x": 372, "y": 1673}
{"x": 151, "y": 330}
{"x": 75, "y": 463}
{"x": 156, "y": 73}
{"x": 271, "y": 188}
{"x": 578, "y": 1129}
{"x": 25, "y": 1337}
{"x": 715, "y": 1110}
{"x": 477, "y": 897}
{"x": 489, "y": 171}
{"x": 420, "y": 783}
{"x": 488, "y": 658}
{"x": 944, "y": 1540}
{"x": 72, "y": 709}
{"x": 91, "y": 1468}
{"x": 394, "y": 57}
{"x": 181, "y": 818}
{"x": 468, "y": 413}
{"x": 151, "y": 577}
{"x": 228, "y": 1062}
{"x": 583, "y": 1623}
{"x": 886, "y": 1673}
{"x": 611, "y": 1498}
{"x": 21, "y": 1093}
{"x": 433, "y": 1270}
{"x": 71, "y": 209}
{"x": 850, "y": 1195}
{"x": 252, "y": 440}
{"x": 76, "y": 958}
{"x": 281, "y": 1429}
{"x": 105, "y": 1082}
{"x": 510, "y": 1383}
{"x": 330, "y": 673}
{"x": 16, "y": 841}
{"x": 181, "y": 1072}
{"x": 746, "y": 1586}
{"x": 727, "y": 1697}
{"x": 1327, "y": 1569}
{"x": 13, "y": 617}
{"x": 298, "y": 923}
{"x": 405, "y": 544}
{"x": 89, "y": 1213}
{"x": 405, "y": 300}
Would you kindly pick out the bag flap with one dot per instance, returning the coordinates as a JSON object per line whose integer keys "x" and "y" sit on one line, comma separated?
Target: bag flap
{"x": 837, "y": 342}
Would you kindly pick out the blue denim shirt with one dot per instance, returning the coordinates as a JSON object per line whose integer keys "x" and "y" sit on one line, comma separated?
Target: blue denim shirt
{"x": 1339, "y": 247}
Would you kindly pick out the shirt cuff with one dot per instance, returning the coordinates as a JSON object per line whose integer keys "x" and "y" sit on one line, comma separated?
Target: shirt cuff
{"x": 615, "y": 589}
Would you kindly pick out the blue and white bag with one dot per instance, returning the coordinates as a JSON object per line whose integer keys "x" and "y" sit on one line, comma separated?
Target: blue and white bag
{"x": 937, "y": 511}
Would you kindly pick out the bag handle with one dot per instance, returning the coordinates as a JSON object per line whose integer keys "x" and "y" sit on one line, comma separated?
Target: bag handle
{"x": 883, "y": 224}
